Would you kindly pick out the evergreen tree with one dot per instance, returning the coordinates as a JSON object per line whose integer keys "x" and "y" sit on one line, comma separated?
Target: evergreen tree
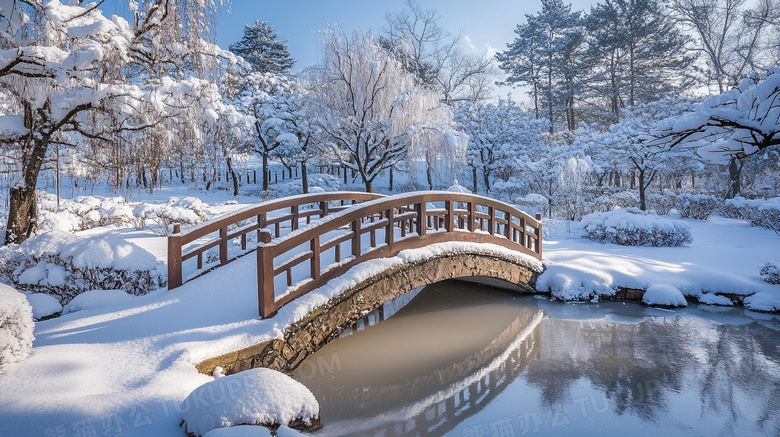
{"x": 260, "y": 48}
{"x": 638, "y": 55}
{"x": 544, "y": 56}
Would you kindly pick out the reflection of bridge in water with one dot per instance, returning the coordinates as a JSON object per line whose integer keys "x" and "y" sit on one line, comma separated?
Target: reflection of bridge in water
{"x": 442, "y": 392}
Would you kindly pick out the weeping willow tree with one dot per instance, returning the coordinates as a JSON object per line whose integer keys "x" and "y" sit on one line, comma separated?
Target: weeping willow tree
{"x": 370, "y": 109}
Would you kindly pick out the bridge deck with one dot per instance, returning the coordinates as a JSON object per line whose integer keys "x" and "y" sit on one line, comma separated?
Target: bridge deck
{"x": 323, "y": 235}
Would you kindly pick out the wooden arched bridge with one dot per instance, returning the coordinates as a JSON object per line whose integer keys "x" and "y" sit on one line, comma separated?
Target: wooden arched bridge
{"x": 302, "y": 242}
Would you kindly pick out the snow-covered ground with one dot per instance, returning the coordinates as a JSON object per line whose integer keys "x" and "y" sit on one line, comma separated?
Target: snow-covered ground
{"x": 125, "y": 368}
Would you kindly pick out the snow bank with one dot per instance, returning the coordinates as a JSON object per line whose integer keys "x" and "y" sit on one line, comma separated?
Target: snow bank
{"x": 764, "y": 301}
{"x": 96, "y": 299}
{"x": 251, "y": 431}
{"x": 16, "y": 327}
{"x": 633, "y": 227}
{"x": 43, "y": 305}
{"x": 253, "y": 397}
{"x": 66, "y": 265}
{"x": 664, "y": 295}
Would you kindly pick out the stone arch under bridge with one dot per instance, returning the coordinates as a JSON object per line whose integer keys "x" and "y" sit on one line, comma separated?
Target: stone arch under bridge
{"x": 325, "y": 323}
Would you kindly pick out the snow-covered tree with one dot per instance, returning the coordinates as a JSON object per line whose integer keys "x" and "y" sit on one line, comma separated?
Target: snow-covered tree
{"x": 368, "y": 104}
{"x": 544, "y": 55}
{"x": 67, "y": 68}
{"x": 495, "y": 132}
{"x": 730, "y": 126}
{"x": 436, "y": 57}
{"x": 638, "y": 54}
{"x": 625, "y": 142}
{"x": 261, "y": 49}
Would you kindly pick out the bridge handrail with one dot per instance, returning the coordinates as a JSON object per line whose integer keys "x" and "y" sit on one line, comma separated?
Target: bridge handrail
{"x": 177, "y": 253}
{"x": 502, "y": 224}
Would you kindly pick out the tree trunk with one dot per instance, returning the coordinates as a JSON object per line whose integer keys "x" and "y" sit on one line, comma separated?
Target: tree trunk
{"x": 474, "y": 178}
{"x": 486, "y": 179}
{"x": 369, "y": 184}
{"x": 735, "y": 176}
{"x": 229, "y": 162}
{"x": 391, "y": 180}
{"x": 304, "y": 178}
{"x": 23, "y": 211}
{"x": 429, "y": 175}
{"x": 265, "y": 172}
{"x": 642, "y": 204}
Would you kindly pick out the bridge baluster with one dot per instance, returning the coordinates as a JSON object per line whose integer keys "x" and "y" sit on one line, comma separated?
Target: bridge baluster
{"x": 315, "y": 259}
{"x": 223, "y": 245}
{"x": 449, "y": 220}
{"x": 390, "y": 229}
{"x": 472, "y": 217}
{"x": 492, "y": 220}
{"x": 356, "y": 238}
{"x": 422, "y": 221}
{"x": 508, "y": 227}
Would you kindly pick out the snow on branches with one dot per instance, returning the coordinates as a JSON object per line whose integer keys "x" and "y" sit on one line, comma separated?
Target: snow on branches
{"x": 735, "y": 124}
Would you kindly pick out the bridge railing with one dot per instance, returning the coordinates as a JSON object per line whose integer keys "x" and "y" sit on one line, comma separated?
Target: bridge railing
{"x": 271, "y": 218}
{"x": 305, "y": 259}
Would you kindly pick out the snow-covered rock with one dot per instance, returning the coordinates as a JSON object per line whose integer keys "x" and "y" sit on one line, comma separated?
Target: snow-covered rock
{"x": 94, "y": 299}
{"x": 253, "y": 397}
{"x": 715, "y": 299}
{"x": 664, "y": 295}
{"x": 16, "y": 327}
{"x": 43, "y": 305}
{"x": 633, "y": 227}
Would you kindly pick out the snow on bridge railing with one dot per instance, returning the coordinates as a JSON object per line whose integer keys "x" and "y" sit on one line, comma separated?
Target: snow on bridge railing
{"x": 196, "y": 241}
{"x": 382, "y": 228}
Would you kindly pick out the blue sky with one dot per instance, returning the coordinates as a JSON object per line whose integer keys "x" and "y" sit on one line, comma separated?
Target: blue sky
{"x": 488, "y": 24}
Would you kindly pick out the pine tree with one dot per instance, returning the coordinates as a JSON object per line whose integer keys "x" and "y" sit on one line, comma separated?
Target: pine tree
{"x": 260, "y": 48}
{"x": 638, "y": 54}
{"x": 544, "y": 56}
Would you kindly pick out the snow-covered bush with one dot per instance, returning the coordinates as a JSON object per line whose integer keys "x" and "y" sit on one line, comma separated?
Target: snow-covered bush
{"x": 662, "y": 204}
{"x": 185, "y": 211}
{"x": 16, "y": 327}
{"x": 633, "y": 227}
{"x": 770, "y": 273}
{"x": 532, "y": 204}
{"x": 80, "y": 213}
{"x": 65, "y": 265}
{"x": 252, "y": 397}
{"x": 759, "y": 212}
{"x": 695, "y": 206}
{"x": 508, "y": 190}
{"x": 623, "y": 198}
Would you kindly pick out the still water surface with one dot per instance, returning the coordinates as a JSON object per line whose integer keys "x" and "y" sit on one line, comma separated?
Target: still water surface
{"x": 465, "y": 360}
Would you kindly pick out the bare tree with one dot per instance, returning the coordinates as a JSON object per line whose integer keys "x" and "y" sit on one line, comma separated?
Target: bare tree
{"x": 435, "y": 56}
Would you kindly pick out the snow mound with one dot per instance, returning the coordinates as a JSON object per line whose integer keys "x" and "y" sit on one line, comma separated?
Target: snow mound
{"x": 252, "y": 397}
{"x": 633, "y": 227}
{"x": 251, "y": 431}
{"x": 715, "y": 299}
{"x": 94, "y": 299}
{"x": 43, "y": 305}
{"x": 764, "y": 301}
{"x": 16, "y": 327}
{"x": 664, "y": 295}
{"x": 107, "y": 250}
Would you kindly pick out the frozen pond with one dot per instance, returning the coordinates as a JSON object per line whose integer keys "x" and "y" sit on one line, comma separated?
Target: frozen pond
{"x": 467, "y": 360}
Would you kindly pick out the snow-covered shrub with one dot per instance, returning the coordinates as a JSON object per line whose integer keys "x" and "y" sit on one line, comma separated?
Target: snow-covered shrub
{"x": 633, "y": 227}
{"x": 80, "y": 213}
{"x": 532, "y": 204}
{"x": 759, "y": 212}
{"x": 623, "y": 198}
{"x": 165, "y": 216}
{"x": 662, "y": 204}
{"x": 16, "y": 327}
{"x": 507, "y": 190}
{"x": 65, "y": 265}
{"x": 770, "y": 273}
{"x": 695, "y": 206}
{"x": 252, "y": 397}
